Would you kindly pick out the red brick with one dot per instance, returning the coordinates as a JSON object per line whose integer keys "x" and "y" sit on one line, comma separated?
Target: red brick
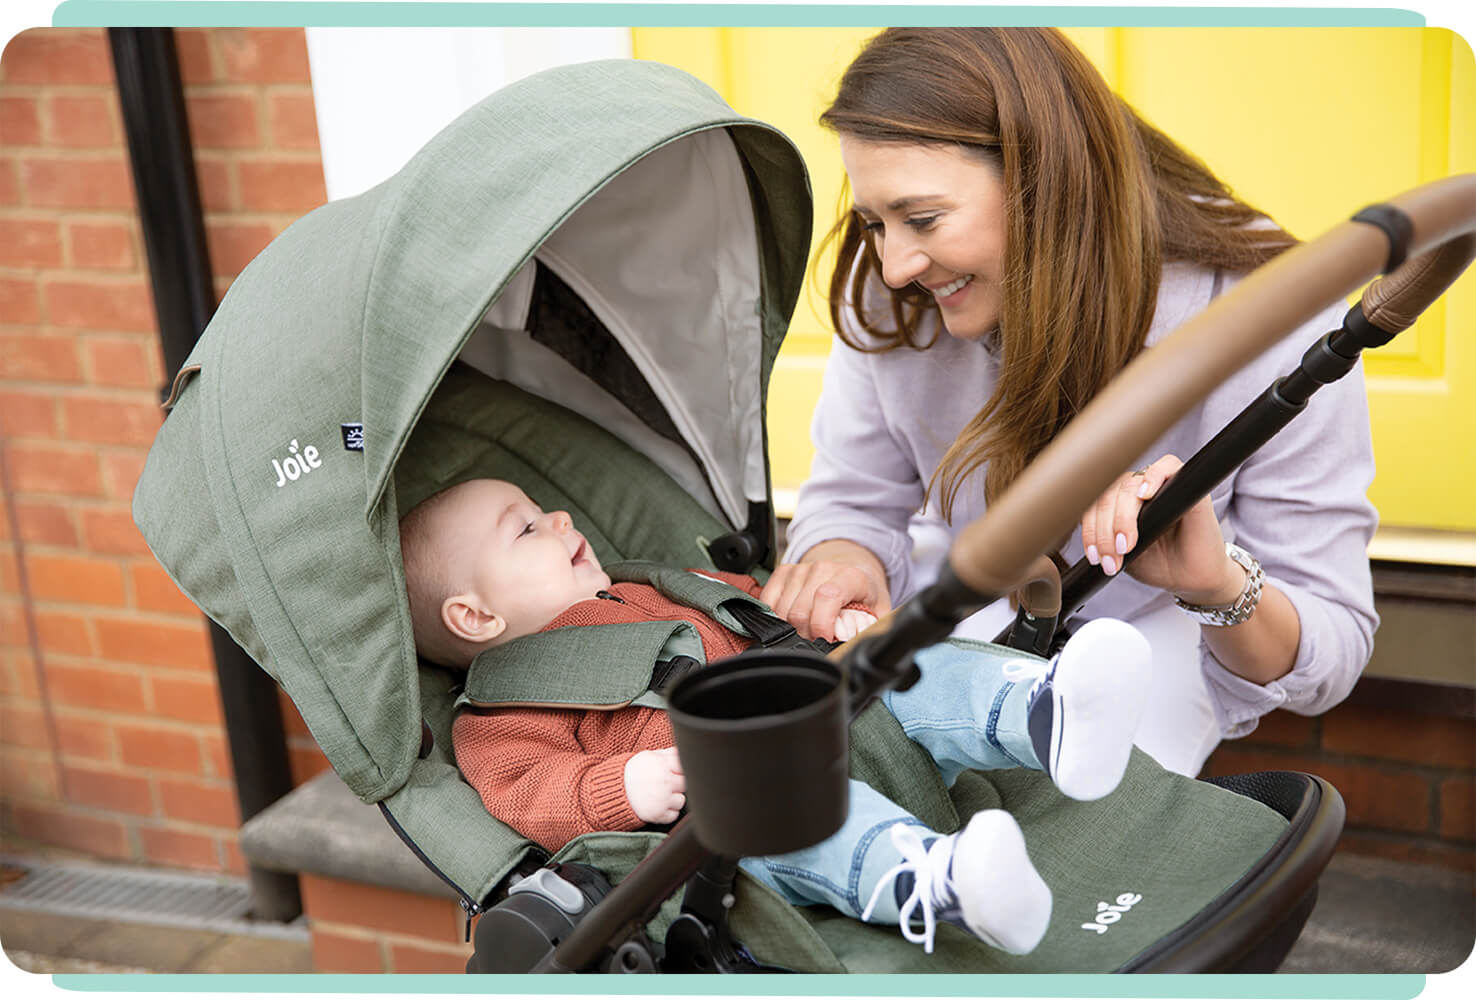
{"x": 281, "y": 186}
{"x": 63, "y": 633}
{"x": 20, "y": 122}
{"x": 110, "y": 421}
{"x": 23, "y": 725}
{"x": 175, "y": 847}
{"x": 334, "y": 952}
{"x": 159, "y": 748}
{"x": 95, "y": 687}
{"x": 130, "y": 641}
{"x": 264, "y": 55}
{"x": 51, "y": 55}
{"x": 84, "y": 736}
{"x": 217, "y": 757}
{"x": 209, "y": 804}
{"x": 100, "y": 304}
{"x": 76, "y": 579}
{"x": 186, "y": 699}
{"x": 111, "y": 532}
{"x": 61, "y": 827}
{"x": 292, "y": 724}
{"x": 32, "y": 243}
{"x": 27, "y": 414}
{"x": 223, "y": 121}
{"x": 1381, "y": 797}
{"x": 19, "y": 303}
{"x": 108, "y": 789}
{"x": 126, "y": 362}
{"x": 13, "y": 629}
{"x": 28, "y": 774}
{"x": 153, "y": 590}
{"x": 306, "y": 763}
{"x": 1370, "y": 732}
{"x": 46, "y": 469}
{"x": 43, "y": 523}
{"x": 1423, "y": 852}
{"x": 217, "y": 181}
{"x": 18, "y": 678}
{"x": 55, "y": 182}
{"x": 28, "y": 358}
{"x": 1457, "y": 808}
{"x": 80, "y": 120}
{"x": 120, "y": 473}
{"x": 195, "y": 62}
{"x": 234, "y": 245}
{"x": 10, "y": 193}
{"x": 389, "y": 910}
{"x": 409, "y": 958}
{"x": 101, "y": 246}
{"x": 294, "y": 119}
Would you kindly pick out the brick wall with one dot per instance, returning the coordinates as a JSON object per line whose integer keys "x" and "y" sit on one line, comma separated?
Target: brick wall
{"x": 111, "y": 739}
{"x": 1406, "y": 771}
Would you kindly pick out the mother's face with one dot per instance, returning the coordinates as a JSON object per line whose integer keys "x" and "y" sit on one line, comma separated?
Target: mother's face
{"x": 936, "y": 216}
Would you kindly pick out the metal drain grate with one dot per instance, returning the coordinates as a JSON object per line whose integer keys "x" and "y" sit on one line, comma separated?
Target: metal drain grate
{"x": 141, "y": 895}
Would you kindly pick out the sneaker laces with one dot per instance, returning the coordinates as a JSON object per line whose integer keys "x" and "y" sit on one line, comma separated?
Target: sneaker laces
{"x": 1023, "y": 669}
{"x": 929, "y": 869}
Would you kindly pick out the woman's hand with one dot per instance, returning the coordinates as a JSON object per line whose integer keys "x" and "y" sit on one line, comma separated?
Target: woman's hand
{"x": 1188, "y": 560}
{"x": 810, "y": 594}
{"x": 655, "y": 785}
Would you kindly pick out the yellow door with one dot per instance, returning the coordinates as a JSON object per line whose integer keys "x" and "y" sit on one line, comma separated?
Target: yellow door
{"x": 1309, "y": 124}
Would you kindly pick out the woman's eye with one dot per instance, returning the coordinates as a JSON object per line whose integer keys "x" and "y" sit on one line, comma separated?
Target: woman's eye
{"x": 870, "y": 227}
{"x": 922, "y": 224}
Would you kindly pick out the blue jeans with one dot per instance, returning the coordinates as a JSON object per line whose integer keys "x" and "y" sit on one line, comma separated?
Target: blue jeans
{"x": 984, "y": 731}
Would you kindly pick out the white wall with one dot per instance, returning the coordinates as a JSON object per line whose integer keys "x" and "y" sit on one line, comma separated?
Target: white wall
{"x": 382, "y": 92}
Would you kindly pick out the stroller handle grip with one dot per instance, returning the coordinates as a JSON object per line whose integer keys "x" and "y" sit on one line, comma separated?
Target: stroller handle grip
{"x": 1395, "y": 301}
{"x": 991, "y": 555}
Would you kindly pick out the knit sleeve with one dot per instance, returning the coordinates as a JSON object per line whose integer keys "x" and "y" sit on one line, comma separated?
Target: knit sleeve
{"x": 533, "y": 775}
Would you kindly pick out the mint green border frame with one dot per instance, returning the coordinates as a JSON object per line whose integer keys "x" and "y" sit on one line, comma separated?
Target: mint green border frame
{"x": 250, "y": 13}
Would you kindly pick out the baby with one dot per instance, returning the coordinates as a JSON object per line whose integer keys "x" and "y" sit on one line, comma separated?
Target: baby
{"x": 486, "y": 570}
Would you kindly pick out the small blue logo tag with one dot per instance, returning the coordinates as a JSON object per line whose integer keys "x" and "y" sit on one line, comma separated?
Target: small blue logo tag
{"x": 353, "y": 436}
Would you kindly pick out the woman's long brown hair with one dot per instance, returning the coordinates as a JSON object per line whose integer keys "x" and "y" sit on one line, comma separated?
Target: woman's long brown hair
{"x": 1096, "y": 200}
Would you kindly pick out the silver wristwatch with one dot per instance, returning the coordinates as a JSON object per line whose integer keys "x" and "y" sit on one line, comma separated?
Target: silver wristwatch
{"x": 1243, "y": 606}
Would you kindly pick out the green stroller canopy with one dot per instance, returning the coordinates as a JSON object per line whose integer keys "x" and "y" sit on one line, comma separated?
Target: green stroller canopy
{"x": 269, "y": 492}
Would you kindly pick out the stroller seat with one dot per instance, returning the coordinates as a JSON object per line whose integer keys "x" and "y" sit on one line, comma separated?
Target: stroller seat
{"x": 391, "y": 311}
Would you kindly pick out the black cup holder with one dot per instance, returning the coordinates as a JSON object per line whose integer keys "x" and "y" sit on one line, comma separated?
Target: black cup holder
{"x": 762, "y": 739}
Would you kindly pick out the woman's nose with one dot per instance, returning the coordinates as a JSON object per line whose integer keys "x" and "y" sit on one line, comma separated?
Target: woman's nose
{"x": 901, "y": 261}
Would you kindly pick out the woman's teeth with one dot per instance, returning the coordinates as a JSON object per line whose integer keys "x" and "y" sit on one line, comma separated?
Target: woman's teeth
{"x": 952, "y": 286}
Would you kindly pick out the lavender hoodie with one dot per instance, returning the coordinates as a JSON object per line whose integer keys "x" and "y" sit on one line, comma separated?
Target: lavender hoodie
{"x": 884, "y": 421}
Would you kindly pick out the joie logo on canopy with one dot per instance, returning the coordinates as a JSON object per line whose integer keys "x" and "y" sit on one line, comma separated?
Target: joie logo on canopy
{"x": 295, "y": 466}
{"x": 1109, "y": 914}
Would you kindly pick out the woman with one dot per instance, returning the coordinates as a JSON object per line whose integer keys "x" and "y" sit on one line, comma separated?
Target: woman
{"x": 1018, "y": 235}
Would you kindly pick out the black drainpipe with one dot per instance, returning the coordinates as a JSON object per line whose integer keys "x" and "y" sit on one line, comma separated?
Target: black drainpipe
{"x": 152, "y": 100}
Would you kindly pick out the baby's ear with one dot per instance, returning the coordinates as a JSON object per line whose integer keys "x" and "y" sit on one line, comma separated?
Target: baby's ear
{"x": 465, "y": 617}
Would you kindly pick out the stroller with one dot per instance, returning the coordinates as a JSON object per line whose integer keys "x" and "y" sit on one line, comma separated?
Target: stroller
{"x": 580, "y": 285}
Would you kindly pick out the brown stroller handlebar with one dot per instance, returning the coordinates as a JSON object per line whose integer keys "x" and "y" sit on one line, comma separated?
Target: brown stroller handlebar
{"x": 991, "y": 555}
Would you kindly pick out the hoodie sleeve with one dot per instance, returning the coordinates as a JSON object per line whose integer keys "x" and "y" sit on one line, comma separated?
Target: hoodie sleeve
{"x": 863, "y": 485}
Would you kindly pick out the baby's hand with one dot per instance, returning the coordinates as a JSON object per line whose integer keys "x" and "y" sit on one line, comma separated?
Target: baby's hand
{"x": 852, "y": 622}
{"x": 655, "y": 785}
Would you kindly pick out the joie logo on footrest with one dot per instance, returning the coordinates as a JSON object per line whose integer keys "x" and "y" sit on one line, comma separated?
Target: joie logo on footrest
{"x": 1108, "y": 914}
{"x": 295, "y": 466}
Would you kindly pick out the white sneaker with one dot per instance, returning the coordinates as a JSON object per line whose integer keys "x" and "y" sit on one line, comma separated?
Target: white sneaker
{"x": 1085, "y": 705}
{"x": 979, "y": 878}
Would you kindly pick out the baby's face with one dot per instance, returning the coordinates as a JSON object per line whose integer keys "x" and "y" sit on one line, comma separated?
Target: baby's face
{"x": 526, "y": 565}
